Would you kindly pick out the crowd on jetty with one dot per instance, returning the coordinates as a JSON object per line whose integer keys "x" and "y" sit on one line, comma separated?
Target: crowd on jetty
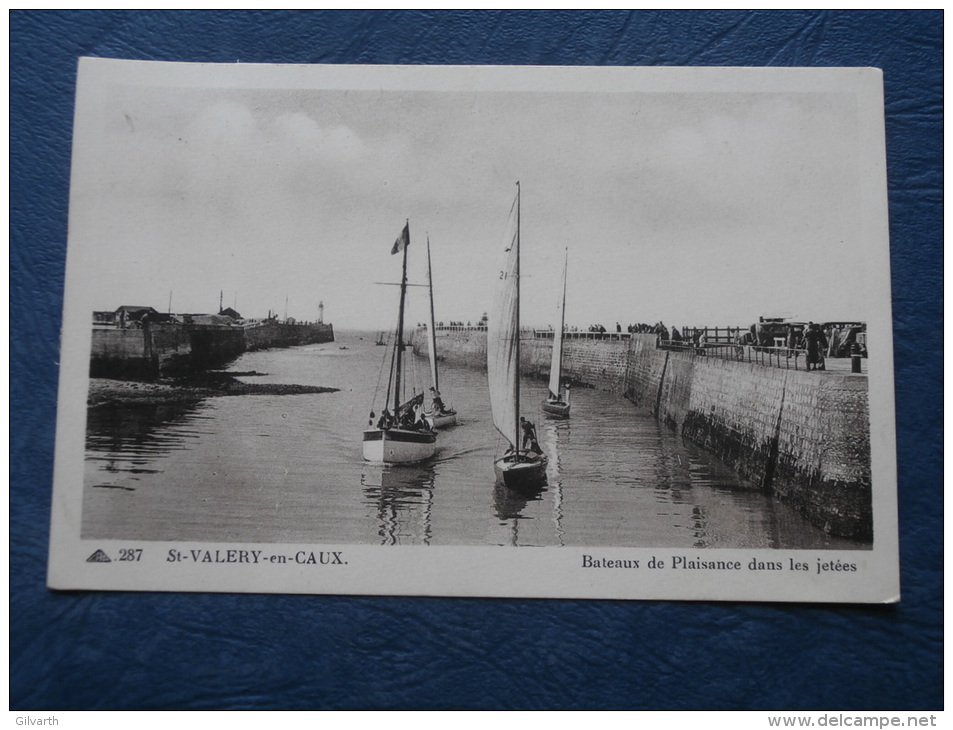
{"x": 659, "y": 328}
{"x": 830, "y": 339}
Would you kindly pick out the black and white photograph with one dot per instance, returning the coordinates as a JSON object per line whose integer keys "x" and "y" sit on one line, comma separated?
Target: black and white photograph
{"x": 477, "y": 331}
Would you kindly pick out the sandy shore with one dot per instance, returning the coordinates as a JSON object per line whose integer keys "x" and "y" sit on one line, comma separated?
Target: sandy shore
{"x": 103, "y": 392}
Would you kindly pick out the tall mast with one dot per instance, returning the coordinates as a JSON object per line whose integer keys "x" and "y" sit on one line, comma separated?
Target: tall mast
{"x": 517, "y": 442}
{"x": 562, "y": 321}
{"x": 400, "y": 325}
{"x": 430, "y": 330}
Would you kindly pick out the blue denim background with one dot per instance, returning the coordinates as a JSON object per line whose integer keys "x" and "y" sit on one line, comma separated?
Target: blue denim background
{"x": 205, "y": 651}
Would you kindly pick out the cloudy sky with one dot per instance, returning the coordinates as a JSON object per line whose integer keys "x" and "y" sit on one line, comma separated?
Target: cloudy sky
{"x": 699, "y": 202}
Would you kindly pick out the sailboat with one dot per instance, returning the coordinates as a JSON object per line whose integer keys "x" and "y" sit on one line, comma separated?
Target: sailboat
{"x": 557, "y": 403}
{"x": 440, "y": 414}
{"x": 518, "y": 468}
{"x": 404, "y": 435}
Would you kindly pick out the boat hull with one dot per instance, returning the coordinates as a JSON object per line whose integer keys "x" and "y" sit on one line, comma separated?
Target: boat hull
{"x": 528, "y": 472}
{"x": 398, "y": 446}
{"x": 442, "y": 420}
{"x": 556, "y": 408}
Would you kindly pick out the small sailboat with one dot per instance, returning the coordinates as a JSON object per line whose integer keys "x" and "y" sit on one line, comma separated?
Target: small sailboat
{"x": 441, "y": 415}
{"x": 520, "y": 467}
{"x": 404, "y": 435}
{"x": 380, "y": 340}
{"x": 557, "y": 402}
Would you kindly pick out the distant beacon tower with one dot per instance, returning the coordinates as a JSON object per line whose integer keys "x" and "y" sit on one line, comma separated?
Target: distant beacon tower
{"x": 320, "y": 312}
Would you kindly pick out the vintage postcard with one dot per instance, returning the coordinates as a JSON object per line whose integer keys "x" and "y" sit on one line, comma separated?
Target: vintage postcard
{"x": 477, "y": 331}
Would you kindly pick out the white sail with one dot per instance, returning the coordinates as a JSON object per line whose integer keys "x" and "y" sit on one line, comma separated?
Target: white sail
{"x": 555, "y": 370}
{"x": 502, "y": 345}
{"x": 431, "y": 326}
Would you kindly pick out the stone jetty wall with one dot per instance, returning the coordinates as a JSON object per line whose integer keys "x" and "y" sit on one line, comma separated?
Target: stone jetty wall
{"x": 599, "y": 364}
{"x": 282, "y": 334}
{"x": 586, "y": 361}
{"x": 154, "y": 349}
{"x": 139, "y": 353}
{"x": 804, "y": 436}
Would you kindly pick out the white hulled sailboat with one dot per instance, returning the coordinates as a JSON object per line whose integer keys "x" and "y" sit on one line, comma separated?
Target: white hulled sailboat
{"x": 404, "y": 435}
{"x": 519, "y": 467}
{"x": 557, "y": 402}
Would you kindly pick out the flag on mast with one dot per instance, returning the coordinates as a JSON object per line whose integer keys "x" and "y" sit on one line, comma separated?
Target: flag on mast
{"x": 403, "y": 240}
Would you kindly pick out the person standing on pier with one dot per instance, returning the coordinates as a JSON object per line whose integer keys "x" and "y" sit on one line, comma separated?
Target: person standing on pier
{"x": 791, "y": 341}
{"x": 816, "y": 342}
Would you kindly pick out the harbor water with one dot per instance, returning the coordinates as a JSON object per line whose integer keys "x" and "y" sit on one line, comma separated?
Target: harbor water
{"x": 288, "y": 468}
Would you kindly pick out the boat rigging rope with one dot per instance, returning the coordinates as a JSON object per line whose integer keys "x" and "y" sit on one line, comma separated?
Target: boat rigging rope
{"x": 380, "y": 376}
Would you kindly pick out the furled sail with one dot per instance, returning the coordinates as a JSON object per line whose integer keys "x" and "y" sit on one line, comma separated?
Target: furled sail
{"x": 410, "y": 405}
{"x": 502, "y": 346}
{"x": 555, "y": 370}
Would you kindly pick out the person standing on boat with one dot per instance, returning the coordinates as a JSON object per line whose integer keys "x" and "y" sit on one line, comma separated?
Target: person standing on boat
{"x": 437, "y": 401}
{"x": 529, "y": 436}
{"x": 556, "y": 397}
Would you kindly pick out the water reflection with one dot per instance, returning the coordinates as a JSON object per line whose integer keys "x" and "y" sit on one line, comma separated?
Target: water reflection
{"x": 513, "y": 507}
{"x": 131, "y": 440}
{"x": 509, "y": 503}
{"x": 554, "y": 431}
{"x": 402, "y": 497}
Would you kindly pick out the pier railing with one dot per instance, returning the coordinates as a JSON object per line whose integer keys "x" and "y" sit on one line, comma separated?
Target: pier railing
{"x": 720, "y": 335}
{"x": 457, "y": 328}
{"x": 786, "y": 358}
{"x": 576, "y": 335}
{"x": 528, "y": 332}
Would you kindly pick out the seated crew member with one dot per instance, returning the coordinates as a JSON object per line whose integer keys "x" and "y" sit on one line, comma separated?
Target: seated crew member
{"x": 420, "y": 421}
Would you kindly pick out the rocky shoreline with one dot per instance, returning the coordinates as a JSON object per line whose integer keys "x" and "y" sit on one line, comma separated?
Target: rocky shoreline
{"x": 106, "y": 392}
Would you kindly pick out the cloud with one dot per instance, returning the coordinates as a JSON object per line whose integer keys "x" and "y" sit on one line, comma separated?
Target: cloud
{"x": 299, "y": 133}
